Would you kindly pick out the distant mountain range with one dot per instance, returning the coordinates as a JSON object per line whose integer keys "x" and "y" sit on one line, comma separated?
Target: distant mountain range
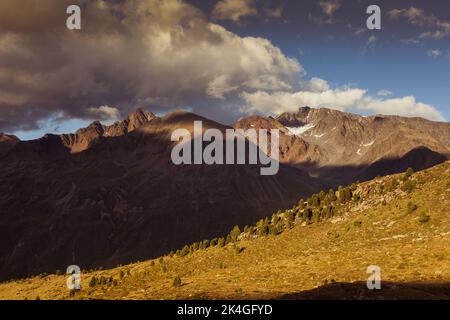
{"x": 107, "y": 195}
{"x": 340, "y": 147}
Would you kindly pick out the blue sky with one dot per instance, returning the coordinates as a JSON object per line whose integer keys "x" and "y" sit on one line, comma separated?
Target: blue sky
{"x": 398, "y": 61}
{"x": 408, "y": 57}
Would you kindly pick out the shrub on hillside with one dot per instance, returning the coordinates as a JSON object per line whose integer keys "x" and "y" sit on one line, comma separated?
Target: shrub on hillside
{"x": 408, "y": 186}
{"x": 408, "y": 173}
{"x": 424, "y": 218}
{"x": 411, "y": 207}
{"x": 238, "y": 249}
{"x": 177, "y": 282}
{"x": 391, "y": 185}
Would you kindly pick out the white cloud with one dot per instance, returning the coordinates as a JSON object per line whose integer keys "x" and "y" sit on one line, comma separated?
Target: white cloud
{"x": 384, "y": 93}
{"x": 281, "y": 101}
{"x": 172, "y": 57}
{"x": 105, "y": 113}
{"x": 405, "y": 106}
{"x": 434, "y": 53}
{"x": 419, "y": 17}
{"x": 344, "y": 99}
{"x": 234, "y": 10}
{"x": 316, "y": 85}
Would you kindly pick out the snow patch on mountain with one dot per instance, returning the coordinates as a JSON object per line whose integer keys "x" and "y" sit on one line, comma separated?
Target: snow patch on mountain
{"x": 300, "y": 130}
{"x": 367, "y": 144}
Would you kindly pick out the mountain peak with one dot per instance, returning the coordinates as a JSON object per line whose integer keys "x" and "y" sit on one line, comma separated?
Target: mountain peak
{"x": 8, "y": 137}
{"x": 138, "y": 118}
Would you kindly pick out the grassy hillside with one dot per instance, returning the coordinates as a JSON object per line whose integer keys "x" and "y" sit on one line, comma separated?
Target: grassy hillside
{"x": 400, "y": 223}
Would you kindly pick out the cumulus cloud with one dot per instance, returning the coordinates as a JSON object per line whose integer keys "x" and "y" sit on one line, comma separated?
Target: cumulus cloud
{"x": 234, "y": 10}
{"x": 344, "y": 99}
{"x": 405, "y": 106}
{"x": 316, "y": 85}
{"x": 150, "y": 53}
{"x": 277, "y": 102}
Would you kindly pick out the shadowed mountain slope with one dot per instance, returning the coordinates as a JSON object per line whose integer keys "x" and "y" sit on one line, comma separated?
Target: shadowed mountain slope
{"x": 400, "y": 223}
{"x": 110, "y": 194}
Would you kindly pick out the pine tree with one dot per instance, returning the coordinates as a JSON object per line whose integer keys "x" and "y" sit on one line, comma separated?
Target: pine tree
{"x": 301, "y": 204}
{"x": 341, "y": 194}
{"x": 332, "y": 195}
{"x": 289, "y": 216}
{"x": 347, "y": 194}
{"x": 307, "y": 215}
{"x": 263, "y": 227}
{"x": 273, "y": 230}
{"x": 322, "y": 195}
{"x": 275, "y": 219}
{"x": 316, "y": 216}
{"x": 408, "y": 173}
{"x": 234, "y": 234}
{"x": 93, "y": 281}
{"x": 184, "y": 251}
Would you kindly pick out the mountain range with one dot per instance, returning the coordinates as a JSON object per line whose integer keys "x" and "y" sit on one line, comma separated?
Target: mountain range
{"x": 108, "y": 195}
{"x": 340, "y": 147}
